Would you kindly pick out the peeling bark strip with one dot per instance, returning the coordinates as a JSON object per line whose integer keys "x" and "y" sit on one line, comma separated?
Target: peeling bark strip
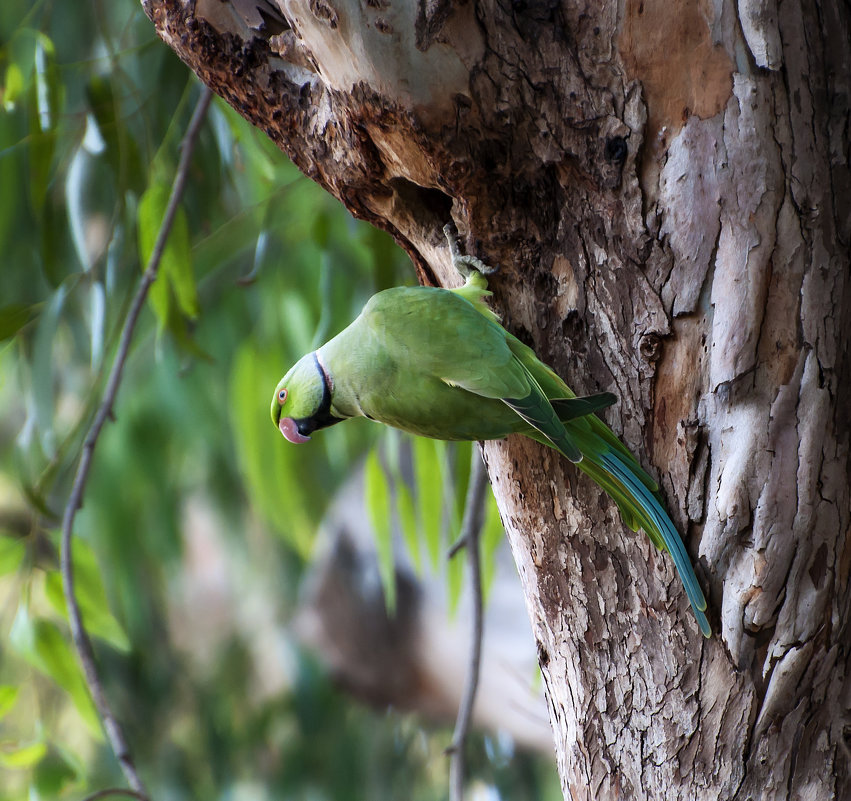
{"x": 667, "y": 189}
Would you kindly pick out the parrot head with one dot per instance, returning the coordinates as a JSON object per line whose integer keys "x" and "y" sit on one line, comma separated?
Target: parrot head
{"x": 302, "y": 400}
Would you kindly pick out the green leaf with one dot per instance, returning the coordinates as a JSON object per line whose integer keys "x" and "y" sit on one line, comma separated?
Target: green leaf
{"x": 321, "y": 229}
{"x": 97, "y": 303}
{"x": 271, "y": 465}
{"x": 405, "y": 509}
{"x": 459, "y": 459}
{"x": 149, "y": 217}
{"x": 455, "y": 569}
{"x": 12, "y": 551}
{"x": 47, "y": 83}
{"x": 53, "y": 774}
{"x": 21, "y": 51}
{"x": 407, "y": 516}
{"x": 233, "y": 237}
{"x": 385, "y": 257}
{"x": 43, "y": 367}
{"x": 377, "y": 492}
{"x": 429, "y": 491}
{"x": 175, "y": 287}
{"x": 297, "y": 321}
{"x": 13, "y": 86}
{"x": 41, "y": 644}
{"x": 44, "y": 112}
{"x": 91, "y": 597}
{"x": 8, "y": 698}
{"x": 57, "y": 263}
{"x": 14, "y": 317}
{"x": 121, "y": 149}
{"x": 13, "y": 755}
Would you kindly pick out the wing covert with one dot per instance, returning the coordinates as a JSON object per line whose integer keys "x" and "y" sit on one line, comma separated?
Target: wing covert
{"x": 440, "y": 333}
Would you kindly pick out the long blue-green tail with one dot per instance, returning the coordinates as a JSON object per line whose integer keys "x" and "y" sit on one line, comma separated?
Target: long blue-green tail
{"x": 655, "y": 521}
{"x": 567, "y": 423}
{"x": 608, "y": 462}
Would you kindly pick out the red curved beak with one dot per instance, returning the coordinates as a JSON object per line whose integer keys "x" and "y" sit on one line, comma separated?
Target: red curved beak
{"x": 290, "y": 430}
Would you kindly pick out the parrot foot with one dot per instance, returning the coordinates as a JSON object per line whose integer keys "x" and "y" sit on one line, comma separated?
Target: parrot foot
{"x": 464, "y": 264}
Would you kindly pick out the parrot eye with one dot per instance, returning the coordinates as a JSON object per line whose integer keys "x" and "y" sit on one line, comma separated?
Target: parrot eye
{"x": 282, "y": 397}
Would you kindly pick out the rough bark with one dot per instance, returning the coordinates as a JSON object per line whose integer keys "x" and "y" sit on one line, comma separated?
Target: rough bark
{"x": 667, "y": 190}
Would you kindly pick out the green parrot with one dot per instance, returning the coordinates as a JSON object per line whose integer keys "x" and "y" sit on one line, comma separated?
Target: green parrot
{"x": 437, "y": 363}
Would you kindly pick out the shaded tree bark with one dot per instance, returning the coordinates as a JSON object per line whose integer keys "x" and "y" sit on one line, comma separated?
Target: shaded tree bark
{"x": 667, "y": 190}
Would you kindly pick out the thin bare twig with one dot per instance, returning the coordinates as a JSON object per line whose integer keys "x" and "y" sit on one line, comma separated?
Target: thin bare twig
{"x": 470, "y": 528}
{"x": 109, "y": 791}
{"x": 80, "y": 636}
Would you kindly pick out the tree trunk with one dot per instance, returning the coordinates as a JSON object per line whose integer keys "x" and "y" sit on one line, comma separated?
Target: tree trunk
{"x": 666, "y": 188}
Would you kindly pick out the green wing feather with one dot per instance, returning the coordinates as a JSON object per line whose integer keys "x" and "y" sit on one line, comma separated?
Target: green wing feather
{"x": 463, "y": 349}
{"x": 536, "y": 410}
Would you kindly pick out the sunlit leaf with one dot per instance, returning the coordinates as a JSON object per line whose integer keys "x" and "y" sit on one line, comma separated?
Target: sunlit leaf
{"x": 262, "y": 159}
{"x": 455, "y": 578}
{"x": 429, "y": 494}
{"x": 47, "y": 82}
{"x": 8, "y": 697}
{"x": 45, "y": 109}
{"x": 75, "y": 207}
{"x": 297, "y": 321}
{"x": 13, "y": 86}
{"x": 326, "y": 301}
{"x": 98, "y": 321}
{"x": 15, "y": 755}
{"x": 21, "y": 50}
{"x": 175, "y": 283}
{"x": 91, "y": 597}
{"x": 270, "y": 465}
{"x": 41, "y": 644}
{"x": 377, "y": 495}
{"x": 457, "y": 478}
{"x": 12, "y": 552}
{"x": 404, "y": 506}
{"x": 456, "y": 474}
{"x": 407, "y": 515}
{"x": 149, "y": 217}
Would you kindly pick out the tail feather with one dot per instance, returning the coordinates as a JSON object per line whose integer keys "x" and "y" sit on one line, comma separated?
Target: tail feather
{"x": 661, "y": 525}
{"x": 570, "y": 408}
{"x": 594, "y": 437}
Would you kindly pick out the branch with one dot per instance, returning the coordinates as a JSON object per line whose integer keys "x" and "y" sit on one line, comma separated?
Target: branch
{"x": 116, "y": 791}
{"x": 80, "y": 636}
{"x": 470, "y": 528}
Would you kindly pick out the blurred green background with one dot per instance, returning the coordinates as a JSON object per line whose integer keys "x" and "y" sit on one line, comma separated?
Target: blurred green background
{"x": 264, "y": 266}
